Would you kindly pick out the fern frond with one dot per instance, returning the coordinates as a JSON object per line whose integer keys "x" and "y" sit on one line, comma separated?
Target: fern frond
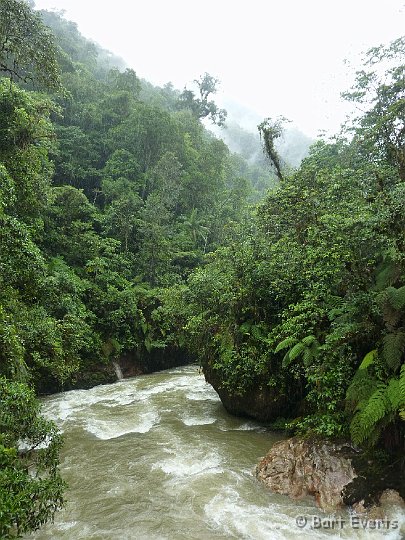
{"x": 393, "y": 349}
{"x": 391, "y": 316}
{"x": 394, "y": 394}
{"x": 361, "y": 388}
{"x": 377, "y": 406}
{"x": 296, "y": 350}
{"x": 396, "y": 297}
{"x": 309, "y": 354}
{"x": 308, "y": 340}
{"x": 257, "y": 332}
{"x": 365, "y": 422}
{"x": 387, "y": 274}
{"x": 402, "y": 414}
{"x": 373, "y": 436}
{"x": 288, "y": 342}
{"x": 245, "y": 327}
{"x": 359, "y": 430}
{"x": 308, "y": 347}
{"x": 402, "y": 384}
{"x": 286, "y": 360}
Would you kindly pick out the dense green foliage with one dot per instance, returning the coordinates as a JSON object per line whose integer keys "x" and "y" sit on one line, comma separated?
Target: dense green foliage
{"x": 27, "y": 48}
{"x": 31, "y": 489}
{"x": 302, "y": 296}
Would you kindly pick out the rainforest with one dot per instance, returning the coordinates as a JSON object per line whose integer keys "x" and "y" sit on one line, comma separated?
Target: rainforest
{"x": 133, "y": 239}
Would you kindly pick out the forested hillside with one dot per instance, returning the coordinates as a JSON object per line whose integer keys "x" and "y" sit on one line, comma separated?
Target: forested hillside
{"x": 111, "y": 193}
{"x": 128, "y": 234}
{"x": 115, "y": 198}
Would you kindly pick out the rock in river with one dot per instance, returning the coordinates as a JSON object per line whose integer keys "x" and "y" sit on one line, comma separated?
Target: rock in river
{"x": 336, "y": 475}
{"x": 298, "y": 468}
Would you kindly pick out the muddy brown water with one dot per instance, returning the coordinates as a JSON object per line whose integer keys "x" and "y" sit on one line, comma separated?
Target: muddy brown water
{"x": 157, "y": 457}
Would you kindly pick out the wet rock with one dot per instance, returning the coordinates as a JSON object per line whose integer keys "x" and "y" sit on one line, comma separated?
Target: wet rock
{"x": 259, "y": 402}
{"x": 94, "y": 374}
{"x": 299, "y": 468}
{"x": 130, "y": 366}
{"x": 134, "y": 364}
{"x": 334, "y": 474}
{"x": 389, "y": 498}
{"x": 378, "y": 478}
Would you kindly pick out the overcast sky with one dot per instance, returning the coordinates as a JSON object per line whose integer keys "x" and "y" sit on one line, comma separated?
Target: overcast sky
{"x": 282, "y": 57}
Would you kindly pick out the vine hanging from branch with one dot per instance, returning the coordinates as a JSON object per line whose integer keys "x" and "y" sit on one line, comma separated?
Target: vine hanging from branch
{"x": 269, "y": 131}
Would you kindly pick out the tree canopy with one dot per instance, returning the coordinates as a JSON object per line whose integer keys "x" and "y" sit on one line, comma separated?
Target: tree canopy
{"x": 27, "y": 47}
{"x": 200, "y": 104}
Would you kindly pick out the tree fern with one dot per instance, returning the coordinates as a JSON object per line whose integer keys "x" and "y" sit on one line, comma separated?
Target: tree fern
{"x": 307, "y": 347}
{"x": 387, "y": 274}
{"x": 391, "y": 316}
{"x": 365, "y": 421}
{"x": 394, "y": 394}
{"x": 361, "y": 388}
{"x": 392, "y": 301}
{"x": 377, "y": 406}
{"x": 360, "y": 432}
{"x": 358, "y": 429}
{"x": 393, "y": 349}
{"x": 308, "y": 355}
{"x": 296, "y": 351}
{"x": 308, "y": 340}
{"x": 379, "y": 410}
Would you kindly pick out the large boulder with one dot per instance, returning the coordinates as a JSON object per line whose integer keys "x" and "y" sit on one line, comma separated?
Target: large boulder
{"x": 336, "y": 475}
{"x": 298, "y": 468}
{"x": 259, "y": 402}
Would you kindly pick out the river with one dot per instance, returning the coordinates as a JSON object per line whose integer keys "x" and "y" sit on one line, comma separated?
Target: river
{"x": 157, "y": 457}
